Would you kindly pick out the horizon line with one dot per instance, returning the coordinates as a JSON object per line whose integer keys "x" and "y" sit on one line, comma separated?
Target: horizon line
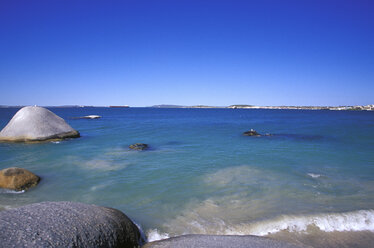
{"x": 178, "y": 106}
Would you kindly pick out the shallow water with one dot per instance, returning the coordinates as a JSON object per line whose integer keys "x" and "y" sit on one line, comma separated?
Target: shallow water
{"x": 313, "y": 177}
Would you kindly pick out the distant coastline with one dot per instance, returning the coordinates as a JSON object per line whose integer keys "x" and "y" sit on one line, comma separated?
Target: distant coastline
{"x": 357, "y": 107}
{"x": 236, "y": 106}
{"x": 244, "y": 106}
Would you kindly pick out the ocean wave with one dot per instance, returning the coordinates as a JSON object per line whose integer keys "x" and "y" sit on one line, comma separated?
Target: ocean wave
{"x": 9, "y": 191}
{"x": 355, "y": 221}
{"x": 249, "y": 201}
{"x": 361, "y": 220}
{"x": 154, "y": 235}
{"x": 314, "y": 175}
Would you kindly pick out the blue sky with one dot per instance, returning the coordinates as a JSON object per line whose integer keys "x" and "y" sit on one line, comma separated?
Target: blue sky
{"x": 141, "y": 53}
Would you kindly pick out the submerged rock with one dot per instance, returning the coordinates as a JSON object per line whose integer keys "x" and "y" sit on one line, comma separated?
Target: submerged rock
{"x": 88, "y": 117}
{"x": 17, "y": 179}
{"x": 215, "y": 241}
{"x": 67, "y": 224}
{"x": 251, "y": 133}
{"x": 36, "y": 124}
{"x": 139, "y": 146}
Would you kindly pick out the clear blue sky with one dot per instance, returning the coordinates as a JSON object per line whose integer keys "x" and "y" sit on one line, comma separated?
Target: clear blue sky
{"x": 141, "y": 53}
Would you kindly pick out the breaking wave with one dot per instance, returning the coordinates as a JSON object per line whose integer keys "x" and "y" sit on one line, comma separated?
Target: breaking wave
{"x": 9, "y": 191}
{"x": 246, "y": 200}
{"x": 314, "y": 175}
{"x": 154, "y": 235}
{"x": 361, "y": 220}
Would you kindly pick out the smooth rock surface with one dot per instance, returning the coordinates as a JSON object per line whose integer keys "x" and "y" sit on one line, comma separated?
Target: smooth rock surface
{"x": 139, "y": 146}
{"x": 36, "y": 124}
{"x": 219, "y": 241}
{"x": 17, "y": 179}
{"x": 67, "y": 224}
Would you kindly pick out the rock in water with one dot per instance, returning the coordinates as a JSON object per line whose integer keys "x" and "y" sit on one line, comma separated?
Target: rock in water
{"x": 139, "y": 146}
{"x": 251, "y": 133}
{"x": 36, "y": 124}
{"x": 88, "y": 117}
{"x": 220, "y": 241}
{"x": 67, "y": 224}
{"x": 17, "y": 179}
{"x": 92, "y": 117}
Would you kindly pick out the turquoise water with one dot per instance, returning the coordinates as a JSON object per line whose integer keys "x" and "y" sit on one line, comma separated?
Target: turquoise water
{"x": 202, "y": 175}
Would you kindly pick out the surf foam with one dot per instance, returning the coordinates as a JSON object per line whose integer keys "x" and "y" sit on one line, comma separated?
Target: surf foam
{"x": 154, "y": 235}
{"x": 10, "y": 191}
{"x": 314, "y": 175}
{"x": 355, "y": 221}
{"x": 362, "y": 220}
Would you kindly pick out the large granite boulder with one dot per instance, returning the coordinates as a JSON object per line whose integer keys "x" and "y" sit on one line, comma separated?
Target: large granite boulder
{"x": 219, "y": 241}
{"x": 36, "y": 124}
{"x": 67, "y": 224}
{"x": 17, "y": 179}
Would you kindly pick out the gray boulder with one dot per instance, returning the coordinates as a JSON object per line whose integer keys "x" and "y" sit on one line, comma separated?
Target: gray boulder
{"x": 36, "y": 124}
{"x": 67, "y": 224}
{"x": 219, "y": 241}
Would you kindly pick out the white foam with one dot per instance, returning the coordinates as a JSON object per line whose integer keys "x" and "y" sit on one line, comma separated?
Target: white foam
{"x": 243, "y": 195}
{"x": 9, "y": 191}
{"x": 154, "y": 235}
{"x": 55, "y": 142}
{"x": 362, "y": 220}
{"x": 314, "y": 175}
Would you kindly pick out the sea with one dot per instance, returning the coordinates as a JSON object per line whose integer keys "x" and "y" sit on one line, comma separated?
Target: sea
{"x": 311, "y": 181}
